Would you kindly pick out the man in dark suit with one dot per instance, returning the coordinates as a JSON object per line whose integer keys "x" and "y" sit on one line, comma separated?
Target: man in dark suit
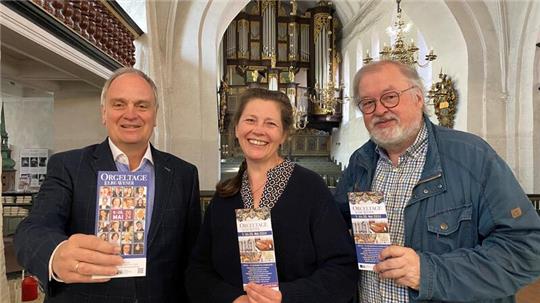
{"x": 56, "y": 242}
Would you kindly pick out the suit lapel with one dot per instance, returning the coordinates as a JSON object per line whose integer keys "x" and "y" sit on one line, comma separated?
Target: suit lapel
{"x": 163, "y": 181}
{"x": 102, "y": 158}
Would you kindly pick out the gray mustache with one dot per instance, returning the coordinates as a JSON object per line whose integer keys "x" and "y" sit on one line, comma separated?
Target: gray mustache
{"x": 384, "y": 118}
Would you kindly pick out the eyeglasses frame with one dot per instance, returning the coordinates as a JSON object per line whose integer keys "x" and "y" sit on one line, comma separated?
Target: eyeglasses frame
{"x": 380, "y": 99}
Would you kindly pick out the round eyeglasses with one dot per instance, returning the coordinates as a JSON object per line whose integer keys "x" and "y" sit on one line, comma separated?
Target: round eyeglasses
{"x": 389, "y": 100}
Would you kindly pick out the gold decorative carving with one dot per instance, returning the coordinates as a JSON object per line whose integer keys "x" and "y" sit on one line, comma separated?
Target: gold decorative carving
{"x": 294, "y": 7}
{"x": 268, "y": 4}
{"x": 444, "y": 98}
{"x": 223, "y": 92}
{"x": 320, "y": 20}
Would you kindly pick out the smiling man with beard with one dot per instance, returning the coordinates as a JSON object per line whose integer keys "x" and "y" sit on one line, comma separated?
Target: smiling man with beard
{"x": 461, "y": 226}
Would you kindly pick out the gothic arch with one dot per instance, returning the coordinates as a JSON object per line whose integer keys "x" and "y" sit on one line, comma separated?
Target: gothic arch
{"x": 498, "y": 36}
{"x": 184, "y": 40}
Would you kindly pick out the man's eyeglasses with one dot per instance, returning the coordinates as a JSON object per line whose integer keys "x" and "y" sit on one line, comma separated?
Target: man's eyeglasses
{"x": 389, "y": 100}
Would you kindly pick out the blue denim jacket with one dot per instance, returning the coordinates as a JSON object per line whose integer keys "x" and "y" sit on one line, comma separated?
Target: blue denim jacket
{"x": 475, "y": 230}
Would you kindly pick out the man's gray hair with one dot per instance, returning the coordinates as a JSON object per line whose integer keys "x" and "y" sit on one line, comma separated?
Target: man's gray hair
{"x": 409, "y": 72}
{"x": 128, "y": 70}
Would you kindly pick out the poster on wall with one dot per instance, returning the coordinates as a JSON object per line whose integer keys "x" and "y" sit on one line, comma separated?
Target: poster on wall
{"x": 33, "y": 168}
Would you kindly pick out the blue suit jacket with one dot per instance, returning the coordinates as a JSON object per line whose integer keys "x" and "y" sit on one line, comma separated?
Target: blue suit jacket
{"x": 66, "y": 204}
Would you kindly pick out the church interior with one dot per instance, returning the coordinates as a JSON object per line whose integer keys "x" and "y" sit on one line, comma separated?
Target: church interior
{"x": 479, "y": 61}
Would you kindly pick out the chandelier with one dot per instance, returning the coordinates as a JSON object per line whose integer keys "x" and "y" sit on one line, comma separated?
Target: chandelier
{"x": 401, "y": 51}
{"x": 300, "y": 114}
{"x": 327, "y": 97}
{"x": 300, "y": 119}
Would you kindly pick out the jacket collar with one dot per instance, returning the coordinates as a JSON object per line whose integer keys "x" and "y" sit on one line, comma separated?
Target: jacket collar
{"x": 432, "y": 167}
{"x": 164, "y": 176}
{"x": 366, "y": 157}
{"x": 103, "y": 158}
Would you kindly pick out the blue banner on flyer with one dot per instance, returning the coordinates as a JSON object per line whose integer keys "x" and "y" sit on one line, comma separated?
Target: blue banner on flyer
{"x": 368, "y": 254}
{"x": 260, "y": 273}
{"x": 256, "y": 245}
{"x": 254, "y": 233}
{"x": 121, "y": 210}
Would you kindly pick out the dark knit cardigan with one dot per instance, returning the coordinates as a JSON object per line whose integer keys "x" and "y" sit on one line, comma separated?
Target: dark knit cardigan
{"x": 315, "y": 255}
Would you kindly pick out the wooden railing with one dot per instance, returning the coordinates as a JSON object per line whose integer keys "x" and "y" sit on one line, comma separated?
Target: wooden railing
{"x": 99, "y": 28}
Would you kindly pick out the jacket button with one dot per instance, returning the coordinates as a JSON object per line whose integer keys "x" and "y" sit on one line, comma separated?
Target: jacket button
{"x": 426, "y": 191}
{"x": 443, "y": 226}
{"x": 439, "y": 186}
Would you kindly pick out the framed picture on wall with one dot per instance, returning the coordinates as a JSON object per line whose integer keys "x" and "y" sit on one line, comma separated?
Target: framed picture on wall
{"x": 33, "y": 168}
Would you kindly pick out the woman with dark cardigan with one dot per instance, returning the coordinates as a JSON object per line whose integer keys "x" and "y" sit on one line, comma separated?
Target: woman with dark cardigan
{"x": 315, "y": 256}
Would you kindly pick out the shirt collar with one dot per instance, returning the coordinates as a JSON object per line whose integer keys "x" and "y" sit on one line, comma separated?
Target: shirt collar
{"x": 120, "y": 156}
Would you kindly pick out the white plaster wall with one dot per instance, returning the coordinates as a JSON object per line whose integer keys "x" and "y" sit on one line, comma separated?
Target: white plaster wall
{"x": 441, "y": 32}
{"x": 352, "y": 133}
{"x": 524, "y": 27}
{"x": 76, "y": 121}
{"x": 136, "y": 9}
{"x": 536, "y": 119}
{"x": 450, "y": 48}
{"x": 501, "y": 56}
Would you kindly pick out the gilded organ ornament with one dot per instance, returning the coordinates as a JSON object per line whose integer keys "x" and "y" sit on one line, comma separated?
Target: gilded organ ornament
{"x": 223, "y": 92}
{"x": 444, "y": 97}
{"x": 321, "y": 21}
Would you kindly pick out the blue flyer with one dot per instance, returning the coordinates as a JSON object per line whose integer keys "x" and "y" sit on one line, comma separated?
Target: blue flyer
{"x": 370, "y": 227}
{"x": 121, "y": 210}
{"x": 256, "y": 245}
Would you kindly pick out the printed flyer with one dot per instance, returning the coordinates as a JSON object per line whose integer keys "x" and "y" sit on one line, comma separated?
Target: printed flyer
{"x": 370, "y": 227}
{"x": 33, "y": 168}
{"x": 256, "y": 244}
{"x": 121, "y": 217}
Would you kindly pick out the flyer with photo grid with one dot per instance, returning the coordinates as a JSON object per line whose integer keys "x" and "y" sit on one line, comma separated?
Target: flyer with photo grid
{"x": 121, "y": 210}
{"x": 370, "y": 227}
{"x": 256, "y": 244}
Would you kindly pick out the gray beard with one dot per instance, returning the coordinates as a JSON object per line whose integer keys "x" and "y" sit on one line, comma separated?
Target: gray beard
{"x": 407, "y": 134}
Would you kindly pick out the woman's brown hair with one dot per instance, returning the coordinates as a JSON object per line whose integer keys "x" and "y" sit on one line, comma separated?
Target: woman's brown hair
{"x": 230, "y": 187}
